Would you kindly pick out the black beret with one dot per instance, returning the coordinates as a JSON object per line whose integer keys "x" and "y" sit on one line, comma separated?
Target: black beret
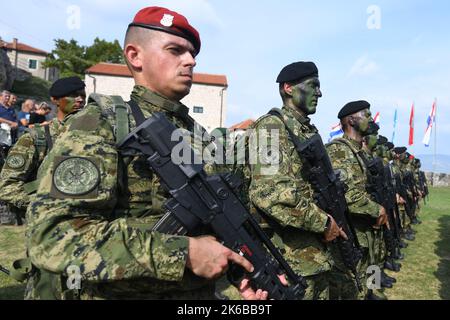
{"x": 297, "y": 71}
{"x": 382, "y": 140}
{"x": 65, "y": 86}
{"x": 400, "y": 150}
{"x": 390, "y": 145}
{"x": 353, "y": 107}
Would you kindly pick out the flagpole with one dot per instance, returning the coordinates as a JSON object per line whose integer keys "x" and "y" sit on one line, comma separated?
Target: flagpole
{"x": 435, "y": 135}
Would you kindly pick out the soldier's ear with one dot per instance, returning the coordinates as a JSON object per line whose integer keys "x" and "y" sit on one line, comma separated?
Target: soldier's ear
{"x": 132, "y": 56}
{"x": 287, "y": 87}
{"x": 351, "y": 121}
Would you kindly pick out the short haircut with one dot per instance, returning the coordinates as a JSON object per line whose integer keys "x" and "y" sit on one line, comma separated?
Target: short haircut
{"x": 137, "y": 35}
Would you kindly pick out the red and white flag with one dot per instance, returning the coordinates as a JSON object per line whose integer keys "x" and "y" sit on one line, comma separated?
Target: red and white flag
{"x": 411, "y": 127}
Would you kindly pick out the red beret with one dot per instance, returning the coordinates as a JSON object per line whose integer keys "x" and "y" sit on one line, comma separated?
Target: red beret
{"x": 163, "y": 19}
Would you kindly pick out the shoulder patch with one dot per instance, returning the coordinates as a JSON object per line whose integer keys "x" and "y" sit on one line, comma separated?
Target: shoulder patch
{"x": 75, "y": 177}
{"x": 16, "y": 161}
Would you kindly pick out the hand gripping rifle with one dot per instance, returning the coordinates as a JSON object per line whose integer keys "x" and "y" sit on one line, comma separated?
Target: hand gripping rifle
{"x": 379, "y": 187}
{"x": 329, "y": 195}
{"x": 199, "y": 201}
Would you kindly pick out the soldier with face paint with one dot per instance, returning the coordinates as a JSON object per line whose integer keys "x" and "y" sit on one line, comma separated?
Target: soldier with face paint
{"x": 283, "y": 197}
{"x": 367, "y": 215}
{"x": 18, "y": 176}
{"x": 374, "y": 147}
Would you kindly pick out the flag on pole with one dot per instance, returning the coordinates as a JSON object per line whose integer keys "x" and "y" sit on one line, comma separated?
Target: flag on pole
{"x": 336, "y": 131}
{"x": 376, "y": 119}
{"x": 411, "y": 127}
{"x": 430, "y": 121}
{"x": 395, "y": 126}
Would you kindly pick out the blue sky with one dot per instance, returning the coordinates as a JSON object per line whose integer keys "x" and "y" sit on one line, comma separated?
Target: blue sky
{"x": 405, "y": 60}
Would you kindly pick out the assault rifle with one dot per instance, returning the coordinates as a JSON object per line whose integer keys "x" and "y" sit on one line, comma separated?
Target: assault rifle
{"x": 200, "y": 202}
{"x": 329, "y": 195}
{"x": 380, "y": 189}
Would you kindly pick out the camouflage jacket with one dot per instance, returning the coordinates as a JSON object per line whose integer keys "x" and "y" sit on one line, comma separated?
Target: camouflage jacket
{"x": 344, "y": 156}
{"x": 94, "y": 210}
{"x": 23, "y": 162}
{"x": 285, "y": 199}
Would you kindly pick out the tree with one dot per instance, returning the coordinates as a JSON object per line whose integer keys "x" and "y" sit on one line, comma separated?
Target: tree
{"x": 73, "y": 59}
{"x": 104, "y": 51}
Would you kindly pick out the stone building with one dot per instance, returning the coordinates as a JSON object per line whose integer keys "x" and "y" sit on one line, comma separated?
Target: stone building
{"x": 207, "y": 100}
{"x": 30, "y": 59}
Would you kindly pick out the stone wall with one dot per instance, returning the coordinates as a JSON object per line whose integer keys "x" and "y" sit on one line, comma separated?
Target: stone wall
{"x": 438, "y": 179}
{"x": 6, "y": 70}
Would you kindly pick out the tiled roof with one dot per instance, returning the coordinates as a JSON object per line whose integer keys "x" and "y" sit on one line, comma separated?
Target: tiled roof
{"x": 244, "y": 125}
{"x": 21, "y": 47}
{"x": 121, "y": 70}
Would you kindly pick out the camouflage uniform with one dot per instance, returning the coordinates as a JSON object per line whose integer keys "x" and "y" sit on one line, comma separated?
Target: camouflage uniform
{"x": 345, "y": 158}
{"x": 377, "y": 254}
{"x": 22, "y": 164}
{"x": 104, "y": 229}
{"x": 401, "y": 169}
{"x": 285, "y": 201}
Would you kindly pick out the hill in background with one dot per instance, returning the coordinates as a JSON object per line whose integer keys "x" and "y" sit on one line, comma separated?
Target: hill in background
{"x": 442, "y": 163}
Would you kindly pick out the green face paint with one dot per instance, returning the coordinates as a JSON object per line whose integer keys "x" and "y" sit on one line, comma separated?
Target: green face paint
{"x": 306, "y": 94}
{"x": 67, "y": 105}
{"x": 365, "y": 125}
{"x": 371, "y": 141}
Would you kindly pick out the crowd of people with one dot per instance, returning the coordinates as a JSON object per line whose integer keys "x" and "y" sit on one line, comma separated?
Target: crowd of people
{"x": 14, "y": 123}
{"x": 93, "y": 212}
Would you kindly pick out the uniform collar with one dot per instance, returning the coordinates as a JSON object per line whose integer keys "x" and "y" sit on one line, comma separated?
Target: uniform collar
{"x": 147, "y": 98}
{"x": 355, "y": 143}
{"x": 290, "y": 112}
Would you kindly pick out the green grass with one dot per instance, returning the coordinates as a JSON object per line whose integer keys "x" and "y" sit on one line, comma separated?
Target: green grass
{"x": 12, "y": 247}
{"x": 425, "y": 274}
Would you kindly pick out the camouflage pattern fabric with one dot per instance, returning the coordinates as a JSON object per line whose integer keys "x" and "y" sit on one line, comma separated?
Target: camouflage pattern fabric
{"x": 285, "y": 200}
{"x": 102, "y": 224}
{"x": 378, "y": 252}
{"x": 22, "y": 164}
{"x": 344, "y": 156}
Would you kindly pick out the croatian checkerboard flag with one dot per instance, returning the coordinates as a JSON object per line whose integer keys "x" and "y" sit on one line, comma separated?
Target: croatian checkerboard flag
{"x": 336, "y": 131}
{"x": 430, "y": 121}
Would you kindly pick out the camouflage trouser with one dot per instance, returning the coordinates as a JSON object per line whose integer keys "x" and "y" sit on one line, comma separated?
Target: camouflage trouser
{"x": 406, "y": 221}
{"x": 343, "y": 285}
{"x": 318, "y": 286}
{"x": 6, "y": 216}
{"x": 379, "y": 249}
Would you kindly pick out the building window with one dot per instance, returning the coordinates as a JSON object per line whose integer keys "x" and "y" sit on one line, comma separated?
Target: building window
{"x": 198, "y": 109}
{"x": 32, "y": 64}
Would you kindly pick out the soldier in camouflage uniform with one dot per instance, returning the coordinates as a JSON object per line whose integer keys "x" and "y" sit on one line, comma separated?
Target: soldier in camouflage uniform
{"x": 373, "y": 147}
{"x": 278, "y": 190}
{"x": 366, "y": 215}
{"x": 17, "y": 178}
{"x": 94, "y": 210}
{"x": 400, "y": 162}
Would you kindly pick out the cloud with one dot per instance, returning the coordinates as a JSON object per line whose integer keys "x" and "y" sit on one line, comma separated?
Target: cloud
{"x": 363, "y": 67}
